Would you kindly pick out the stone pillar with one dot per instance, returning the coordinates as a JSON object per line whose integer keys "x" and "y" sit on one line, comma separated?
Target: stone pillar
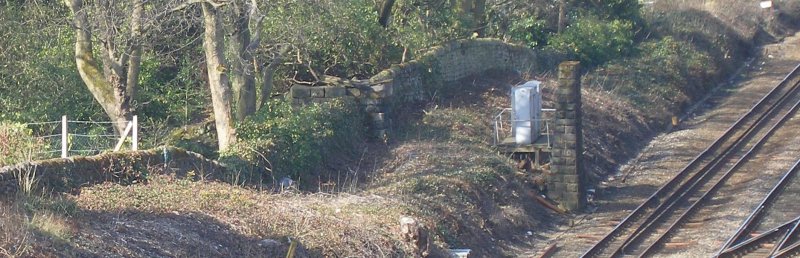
{"x": 565, "y": 184}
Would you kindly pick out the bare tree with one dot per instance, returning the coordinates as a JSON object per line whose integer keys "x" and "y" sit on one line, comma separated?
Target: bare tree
{"x": 112, "y": 80}
{"x": 244, "y": 64}
{"x": 213, "y": 43}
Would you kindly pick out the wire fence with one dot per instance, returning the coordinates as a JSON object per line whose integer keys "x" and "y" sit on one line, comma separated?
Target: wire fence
{"x": 66, "y": 138}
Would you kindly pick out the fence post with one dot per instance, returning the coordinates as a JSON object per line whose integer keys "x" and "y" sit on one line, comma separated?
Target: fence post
{"x": 135, "y": 143}
{"x": 64, "y": 137}
{"x": 123, "y": 136}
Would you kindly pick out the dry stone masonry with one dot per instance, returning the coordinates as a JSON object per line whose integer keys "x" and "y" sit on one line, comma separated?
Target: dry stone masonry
{"x": 566, "y": 181}
{"x": 64, "y": 175}
{"x": 418, "y": 80}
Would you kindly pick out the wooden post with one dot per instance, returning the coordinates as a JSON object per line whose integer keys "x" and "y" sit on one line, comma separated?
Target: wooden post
{"x": 64, "y": 137}
{"x": 123, "y": 136}
{"x": 135, "y": 137}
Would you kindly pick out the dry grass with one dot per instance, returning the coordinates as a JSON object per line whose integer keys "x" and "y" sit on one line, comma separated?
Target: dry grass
{"x": 15, "y": 239}
{"x": 328, "y": 225}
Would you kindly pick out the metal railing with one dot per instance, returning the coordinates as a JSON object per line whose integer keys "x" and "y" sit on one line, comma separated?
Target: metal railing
{"x": 500, "y": 122}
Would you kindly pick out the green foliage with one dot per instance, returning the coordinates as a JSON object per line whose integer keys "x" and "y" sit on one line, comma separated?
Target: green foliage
{"x": 38, "y": 80}
{"x": 706, "y": 33}
{"x": 417, "y": 25}
{"x": 171, "y": 93}
{"x": 343, "y": 38}
{"x": 17, "y": 144}
{"x": 340, "y": 38}
{"x": 594, "y": 41}
{"x": 666, "y": 74}
{"x": 296, "y": 141}
{"x": 628, "y": 10}
{"x": 530, "y": 30}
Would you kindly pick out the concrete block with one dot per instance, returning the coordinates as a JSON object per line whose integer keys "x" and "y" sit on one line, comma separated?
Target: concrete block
{"x": 377, "y": 118}
{"x": 573, "y": 188}
{"x": 568, "y": 170}
{"x": 317, "y": 92}
{"x": 567, "y": 106}
{"x": 370, "y": 101}
{"x": 567, "y": 122}
{"x": 335, "y": 92}
{"x": 565, "y": 93}
{"x": 371, "y": 108}
{"x": 384, "y": 90}
{"x": 568, "y": 138}
{"x": 300, "y": 92}
{"x": 571, "y": 178}
{"x": 355, "y": 92}
{"x": 568, "y": 129}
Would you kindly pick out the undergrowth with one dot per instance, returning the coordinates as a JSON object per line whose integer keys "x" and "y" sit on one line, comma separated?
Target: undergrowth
{"x": 296, "y": 141}
{"x": 17, "y": 144}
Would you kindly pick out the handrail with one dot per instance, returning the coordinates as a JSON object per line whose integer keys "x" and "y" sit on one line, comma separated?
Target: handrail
{"x": 544, "y": 124}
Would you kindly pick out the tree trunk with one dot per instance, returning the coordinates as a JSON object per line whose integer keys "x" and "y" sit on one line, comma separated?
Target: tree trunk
{"x": 112, "y": 97}
{"x": 135, "y": 59}
{"x": 561, "y": 15}
{"x": 243, "y": 77}
{"x": 386, "y": 13}
{"x": 217, "y": 80}
{"x": 479, "y": 13}
{"x": 269, "y": 73}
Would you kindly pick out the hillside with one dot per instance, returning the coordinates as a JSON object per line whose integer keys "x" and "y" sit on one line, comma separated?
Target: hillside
{"x": 437, "y": 166}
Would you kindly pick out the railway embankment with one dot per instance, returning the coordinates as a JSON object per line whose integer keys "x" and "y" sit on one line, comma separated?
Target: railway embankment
{"x": 670, "y": 152}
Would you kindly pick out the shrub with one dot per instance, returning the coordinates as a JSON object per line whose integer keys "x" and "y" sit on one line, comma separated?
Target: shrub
{"x": 665, "y": 74}
{"x": 530, "y": 30}
{"x": 17, "y": 143}
{"x": 594, "y": 41}
{"x": 296, "y": 141}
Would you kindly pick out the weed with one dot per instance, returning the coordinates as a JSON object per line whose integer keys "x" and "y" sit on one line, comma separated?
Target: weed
{"x": 51, "y": 225}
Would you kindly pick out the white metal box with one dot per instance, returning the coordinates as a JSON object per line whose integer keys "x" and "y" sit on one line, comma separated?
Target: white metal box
{"x": 526, "y": 106}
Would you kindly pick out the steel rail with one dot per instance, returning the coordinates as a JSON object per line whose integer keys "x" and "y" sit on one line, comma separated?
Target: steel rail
{"x": 715, "y": 187}
{"x": 788, "y": 251}
{"x": 780, "y": 232}
{"x": 666, "y": 189}
{"x": 760, "y": 210}
{"x": 785, "y": 239}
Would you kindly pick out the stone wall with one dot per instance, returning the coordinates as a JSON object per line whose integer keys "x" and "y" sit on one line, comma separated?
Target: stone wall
{"x": 416, "y": 80}
{"x": 64, "y": 175}
{"x": 565, "y": 184}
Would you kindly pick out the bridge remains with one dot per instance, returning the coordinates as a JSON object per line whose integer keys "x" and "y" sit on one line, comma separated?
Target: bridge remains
{"x": 440, "y": 69}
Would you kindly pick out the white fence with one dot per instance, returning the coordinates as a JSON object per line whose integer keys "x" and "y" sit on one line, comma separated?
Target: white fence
{"x": 83, "y": 137}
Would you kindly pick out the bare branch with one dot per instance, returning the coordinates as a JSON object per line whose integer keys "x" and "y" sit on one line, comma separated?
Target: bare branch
{"x": 213, "y": 3}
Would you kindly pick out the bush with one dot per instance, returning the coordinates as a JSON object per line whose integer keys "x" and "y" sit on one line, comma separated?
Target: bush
{"x": 530, "y": 30}
{"x": 296, "y": 141}
{"x": 666, "y": 74}
{"x": 17, "y": 144}
{"x": 594, "y": 41}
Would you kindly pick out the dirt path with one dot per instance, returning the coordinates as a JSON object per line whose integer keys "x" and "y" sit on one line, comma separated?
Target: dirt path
{"x": 667, "y": 153}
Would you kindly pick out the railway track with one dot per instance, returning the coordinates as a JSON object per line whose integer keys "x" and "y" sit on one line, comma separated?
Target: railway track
{"x": 651, "y": 224}
{"x": 780, "y": 241}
